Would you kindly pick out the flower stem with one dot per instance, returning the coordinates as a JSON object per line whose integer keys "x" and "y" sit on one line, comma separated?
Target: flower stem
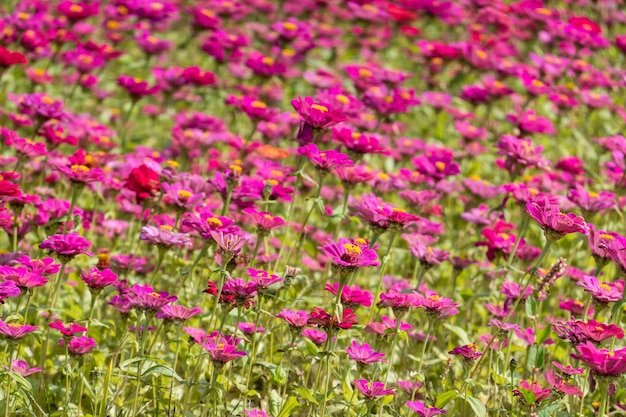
{"x": 426, "y": 339}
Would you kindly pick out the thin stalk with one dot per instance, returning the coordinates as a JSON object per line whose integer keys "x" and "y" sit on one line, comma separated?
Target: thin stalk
{"x": 253, "y": 352}
{"x": 8, "y": 392}
{"x": 144, "y": 336}
{"x": 426, "y": 339}
{"x": 157, "y": 269}
{"x": 523, "y": 228}
{"x": 604, "y": 399}
{"x": 67, "y": 378}
{"x": 76, "y": 191}
{"x": 169, "y": 404}
{"x": 528, "y": 277}
{"x": 344, "y": 209}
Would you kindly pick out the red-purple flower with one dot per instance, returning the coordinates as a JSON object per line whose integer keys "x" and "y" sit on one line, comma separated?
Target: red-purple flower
{"x": 602, "y": 361}
{"x": 177, "y": 313}
{"x": 144, "y": 297}
{"x": 604, "y": 293}
{"x": 144, "y": 182}
{"x": 324, "y": 161}
{"x": 531, "y": 394}
{"x": 8, "y": 289}
{"x": 296, "y": 319}
{"x": 351, "y": 296}
{"x": 436, "y": 306}
{"x": 67, "y": 330}
{"x": 265, "y": 221}
{"x": 321, "y": 318}
{"x": 263, "y": 279}
{"x": 560, "y": 385}
{"x": 67, "y": 246}
{"x": 79, "y": 345}
{"x": 222, "y": 349}
{"x": 97, "y": 279}
{"x": 15, "y": 331}
{"x": 372, "y": 390}
{"x": 317, "y": 115}
{"x": 364, "y": 354}
{"x": 554, "y": 223}
{"x": 348, "y": 255}
{"x": 22, "y": 368}
{"x": 136, "y": 87}
{"x": 423, "y": 410}
{"x": 164, "y": 236}
{"x": 468, "y": 352}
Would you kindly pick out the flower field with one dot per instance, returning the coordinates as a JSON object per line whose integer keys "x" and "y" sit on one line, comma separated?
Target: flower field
{"x": 312, "y": 208}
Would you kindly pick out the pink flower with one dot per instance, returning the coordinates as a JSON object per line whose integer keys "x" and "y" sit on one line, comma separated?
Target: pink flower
{"x": 67, "y": 329}
{"x": 177, "y": 313}
{"x": 204, "y": 222}
{"x": 435, "y": 305}
{"x": 324, "y": 161}
{"x": 136, "y": 87}
{"x": 531, "y": 394}
{"x": 316, "y": 336}
{"x": 295, "y": 318}
{"x": 164, "y": 236}
{"x": 317, "y": 115}
{"x": 468, "y": 352}
{"x": 602, "y": 361}
{"x": 222, "y": 349}
{"x": 240, "y": 290}
{"x": 97, "y": 279}
{"x": 364, "y": 354}
{"x": 554, "y": 223}
{"x": 604, "y": 293}
{"x": 265, "y": 221}
{"x": 15, "y": 331}
{"x": 22, "y": 368}
{"x": 67, "y": 246}
{"x": 351, "y": 296}
{"x": 423, "y": 410}
{"x": 348, "y": 255}
{"x": 568, "y": 369}
{"x": 321, "y": 318}
{"x": 372, "y": 389}
{"x": 560, "y": 386}
{"x": 144, "y": 297}
{"x": 80, "y": 345}
{"x": 263, "y": 279}
{"x": 8, "y": 289}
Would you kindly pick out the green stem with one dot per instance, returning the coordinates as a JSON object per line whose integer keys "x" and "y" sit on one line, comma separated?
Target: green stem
{"x": 344, "y": 209}
{"x": 426, "y": 339}
{"x": 76, "y": 191}
{"x": 157, "y": 269}
{"x": 604, "y": 399}
{"x": 144, "y": 337}
{"x": 253, "y": 352}
{"x": 523, "y": 228}
{"x": 169, "y": 405}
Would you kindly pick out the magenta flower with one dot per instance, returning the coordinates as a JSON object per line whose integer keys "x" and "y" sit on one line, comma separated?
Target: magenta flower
{"x": 136, "y": 87}
{"x": 603, "y": 293}
{"x": 204, "y": 222}
{"x": 144, "y": 297}
{"x": 602, "y": 361}
{"x": 228, "y": 242}
{"x": 358, "y": 143}
{"x": 436, "y": 306}
{"x": 67, "y": 329}
{"x": 423, "y": 410}
{"x": 364, "y": 354}
{"x": 222, "y": 349}
{"x": 555, "y": 224}
{"x": 568, "y": 369}
{"x": 520, "y": 154}
{"x": 380, "y": 328}
{"x": 255, "y": 413}
{"x": 351, "y": 296}
{"x": 15, "y": 331}
{"x": 45, "y": 266}
{"x": 372, "y": 390}
{"x": 469, "y": 352}
{"x": 67, "y": 246}
{"x": 79, "y": 345}
{"x": 164, "y": 236}
{"x": 8, "y": 289}
{"x": 263, "y": 279}
{"x": 324, "y": 161}
{"x": 615, "y": 247}
{"x": 438, "y": 165}
{"x": 317, "y": 115}
{"x": 177, "y": 313}
{"x": 321, "y": 318}
{"x": 498, "y": 240}
{"x": 316, "y": 336}
{"x": 349, "y": 256}
{"x": 533, "y": 393}
{"x": 265, "y": 221}
{"x": 591, "y": 202}
{"x": 239, "y": 290}
{"x": 295, "y": 318}
{"x": 22, "y": 368}
{"x": 560, "y": 385}
{"x": 97, "y": 279}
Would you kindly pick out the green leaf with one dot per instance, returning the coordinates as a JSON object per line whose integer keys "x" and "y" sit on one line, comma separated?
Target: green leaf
{"x": 531, "y": 360}
{"x": 477, "y": 406}
{"x": 445, "y": 397}
{"x": 163, "y": 370}
{"x": 280, "y": 376}
{"x": 311, "y": 347}
{"x": 531, "y": 307}
{"x": 461, "y": 334}
{"x": 275, "y": 402}
{"x": 307, "y": 395}
{"x": 549, "y": 409}
{"x": 541, "y": 354}
{"x": 290, "y": 406}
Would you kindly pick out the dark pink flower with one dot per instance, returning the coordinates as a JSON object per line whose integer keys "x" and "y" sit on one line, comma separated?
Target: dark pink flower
{"x": 295, "y": 318}
{"x": 136, "y": 87}
{"x": 436, "y": 306}
{"x": 177, "y": 313}
{"x": 560, "y": 386}
{"x": 22, "y": 368}
{"x": 222, "y": 349}
{"x": 532, "y": 394}
{"x": 554, "y": 223}
{"x": 98, "y": 279}
{"x": 67, "y": 246}
{"x": 263, "y": 279}
{"x": 79, "y": 345}
{"x": 67, "y": 329}
{"x": 423, "y": 410}
{"x": 602, "y": 361}
{"x": 265, "y": 221}
{"x": 324, "y": 161}
{"x": 317, "y": 115}
{"x": 15, "y": 331}
{"x": 164, "y": 236}
{"x": 144, "y": 297}
{"x": 8, "y": 289}
{"x": 604, "y": 293}
{"x": 321, "y": 318}
{"x": 372, "y": 389}
{"x": 364, "y": 354}
{"x": 346, "y": 254}
{"x": 351, "y": 296}
{"x": 468, "y": 352}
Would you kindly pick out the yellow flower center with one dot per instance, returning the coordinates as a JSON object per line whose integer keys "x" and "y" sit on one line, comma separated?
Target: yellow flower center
{"x": 75, "y": 8}
{"x": 214, "y": 221}
{"x": 155, "y": 295}
{"x": 594, "y": 195}
{"x": 268, "y": 60}
{"x": 268, "y": 216}
{"x": 364, "y": 73}
{"x": 606, "y": 236}
{"x": 319, "y": 107}
{"x": 440, "y": 165}
{"x": 184, "y": 194}
{"x": 166, "y": 227}
{"x": 343, "y": 99}
{"x": 79, "y": 168}
{"x": 173, "y": 164}
{"x": 290, "y": 26}
{"x": 47, "y": 100}
{"x": 434, "y": 297}
{"x": 236, "y": 168}
{"x": 360, "y": 241}
{"x": 258, "y": 104}
{"x": 605, "y": 287}
{"x": 481, "y": 54}
{"x": 207, "y": 12}
{"x": 352, "y": 249}
{"x": 156, "y": 6}
{"x": 537, "y": 83}
{"x": 543, "y": 11}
